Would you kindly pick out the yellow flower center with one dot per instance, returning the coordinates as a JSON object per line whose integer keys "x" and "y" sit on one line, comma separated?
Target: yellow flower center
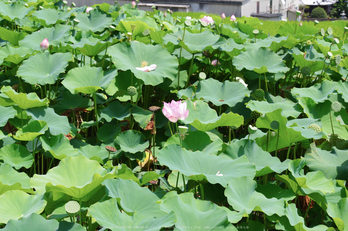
{"x": 144, "y": 64}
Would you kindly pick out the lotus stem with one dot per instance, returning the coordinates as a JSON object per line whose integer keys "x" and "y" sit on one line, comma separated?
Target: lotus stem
{"x": 276, "y": 152}
{"x": 202, "y": 190}
{"x": 80, "y": 213}
{"x": 170, "y": 128}
{"x": 95, "y": 109}
{"x": 309, "y": 205}
{"x": 177, "y": 180}
{"x": 332, "y": 129}
{"x": 183, "y": 181}
{"x": 190, "y": 71}
{"x": 183, "y": 36}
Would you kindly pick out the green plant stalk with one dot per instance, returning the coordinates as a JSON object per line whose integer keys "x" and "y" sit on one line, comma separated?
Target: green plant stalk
{"x": 106, "y": 49}
{"x": 80, "y": 213}
{"x": 229, "y": 135}
{"x": 332, "y": 129}
{"x": 183, "y": 36}
{"x": 276, "y": 152}
{"x": 177, "y": 180}
{"x": 266, "y": 82}
{"x": 183, "y": 181}
{"x": 190, "y": 72}
{"x": 202, "y": 190}
{"x": 95, "y": 109}
{"x": 170, "y": 128}
{"x": 309, "y": 205}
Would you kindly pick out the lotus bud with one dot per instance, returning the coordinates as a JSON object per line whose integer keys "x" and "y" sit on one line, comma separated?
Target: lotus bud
{"x": 316, "y": 22}
{"x": 300, "y": 24}
{"x": 214, "y": 62}
{"x": 73, "y": 4}
{"x": 44, "y": 44}
{"x": 223, "y": 16}
{"x": 171, "y": 11}
{"x": 298, "y": 13}
{"x": 133, "y": 4}
{"x": 233, "y": 18}
{"x": 336, "y": 41}
{"x": 165, "y": 14}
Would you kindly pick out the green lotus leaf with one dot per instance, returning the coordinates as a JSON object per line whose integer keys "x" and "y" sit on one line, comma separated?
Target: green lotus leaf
{"x": 127, "y": 191}
{"x": 203, "y": 118}
{"x": 289, "y": 108}
{"x": 141, "y": 116}
{"x": 34, "y": 222}
{"x": 201, "y": 166}
{"x": 322, "y": 111}
{"x": 274, "y": 191}
{"x": 70, "y": 226}
{"x": 266, "y": 43}
{"x": 261, "y": 61}
{"x": 97, "y": 153}
{"x": 11, "y": 36}
{"x": 333, "y": 164}
{"x": 108, "y": 132}
{"x": 16, "y": 156}
{"x": 200, "y": 214}
{"x": 58, "y": 146}
{"x": 14, "y": 55}
{"x": 195, "y": 43}
{"x": 5, "y": 114}
{"x": 56, "y": 124}
{"x": 44, "y": 68}
{"x": 143, "y": 18}
{"x": 88, "y": 80}
{"x": 77, "y": 177}
{"x": 24, "y": 101}
{"x": 49, "y": 17}
{"x": 115, "y": 110}
{"x": 286, "y": 135}
{"x": 262, "y": 160}
{"x": 139, "y": 27}
{"x": 339, "y": 213}
{"x": 14, "y": 10}
{"x": 108, "y": 215}
{"x": 241, "y": 195}
{"x": 10, "y": 179}
{"x": 94, "y": 21}
{"x": 31, "y": 130}
{"x": 314, "y": 65}
{"x": 193, "y": 140}
{"x": 138, "y": 55}
{"x": 302, "y": 125}
{"x": 70, "y": 101}
{"x": 342, "y": 88}
{"x": 55, "y": 36}
{"x": 318, "y": 93}
{"x": 229, "y": 46}
{"x": 17, "y": 204}
{"x": 220, "y": 93}
{"x": 293, "y": 221}
{"x": 132, "y": 141}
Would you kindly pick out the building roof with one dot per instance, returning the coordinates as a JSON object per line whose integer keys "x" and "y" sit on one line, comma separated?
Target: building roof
{"x": 318, "y": 2}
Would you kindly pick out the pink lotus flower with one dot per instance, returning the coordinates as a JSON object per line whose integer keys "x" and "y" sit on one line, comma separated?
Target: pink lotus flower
{"x": 175, "y": 110}
{"x": 300, "y": 24}
{"x": 223, "y": 16}
{"x": 44, "y": 44}
{"x": 133, "y": 4}
{"x": 165, "y": 14}
{"x": 214, "y": 62}
{"x": 88, "y": 9}
{"x": 208, "y": 20}
{"x": 233, "y": 18}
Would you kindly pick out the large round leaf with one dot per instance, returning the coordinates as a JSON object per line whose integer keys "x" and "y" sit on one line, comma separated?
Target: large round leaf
{"x": 49, "y": 17}
{"x": 318, "y": 93}
{"x": 191, "y": 212}
{"x": 94, "y": 21}
{"x": 261, "y": 61}
{"x": 78, "y": 177}
{"x": 44, "y": 68}
{"x": 24, "y": 101}
{"x": 16, "y": 155}
{"x": 108, "y": 215}
{"x": 127, "y": 191}
{"x": 13, "y": 10}
{"x": 202, "y": 167}
{"x": 5, "y": 114}
{"x": 88, "y": 79}
{"x": 10, "y": 179}
{"x": 220, "y": 93}
{"x": 132, "y": 141}
{"x": 14, "y": 55}
{"x": 34, "y": 222}
{"x": 16, "y": 204}
{"x": 241, "y": 194}
{"x": 138, "y": 55}
{"x": 31, "y": 130}
{"x": 58, "y": 146}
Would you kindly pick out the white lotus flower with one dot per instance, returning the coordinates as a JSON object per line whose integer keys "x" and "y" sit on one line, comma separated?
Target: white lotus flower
{"x": 219, "y": 174}
{"x": 147, "y": 68}
{"x": 239, "y": 79}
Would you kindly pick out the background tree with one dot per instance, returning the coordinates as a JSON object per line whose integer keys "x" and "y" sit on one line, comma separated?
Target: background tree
{"x": 339, "y": 7}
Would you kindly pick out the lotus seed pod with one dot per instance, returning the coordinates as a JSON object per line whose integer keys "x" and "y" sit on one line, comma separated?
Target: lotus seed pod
{"x": 330, "y": 31}
{"x": 336, "y": 106}
{"x": 315, "y": 127}
{"x": 322, "y": 32}
{"x": 72, "y": 207}
{"x": 274, "y": 124}
{"x": 256, "y": 32}
{"x": 345, "y": 29}
{"x": 309, "y": 42}
{"x": 273, "y": 133}
{"x": 154, "y": 108}
{"x": 255, "y": 114}
{"x": 202, "y": 75}
{"x": 131, "y": 91}
{"x": 252, "y": 129}
{"x": 182, "y": 130}
{"x": 259, "y": 94}
{"x": 110, "y": 149}
{"x": 305, "y": 71}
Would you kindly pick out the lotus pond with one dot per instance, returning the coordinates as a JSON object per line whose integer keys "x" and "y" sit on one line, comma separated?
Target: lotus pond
{"x": 119, "y": 119}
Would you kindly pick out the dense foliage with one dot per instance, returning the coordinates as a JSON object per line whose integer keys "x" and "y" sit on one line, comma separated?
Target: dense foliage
{"x": 318, "y": 12}
{"x": 116, "y": 119}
